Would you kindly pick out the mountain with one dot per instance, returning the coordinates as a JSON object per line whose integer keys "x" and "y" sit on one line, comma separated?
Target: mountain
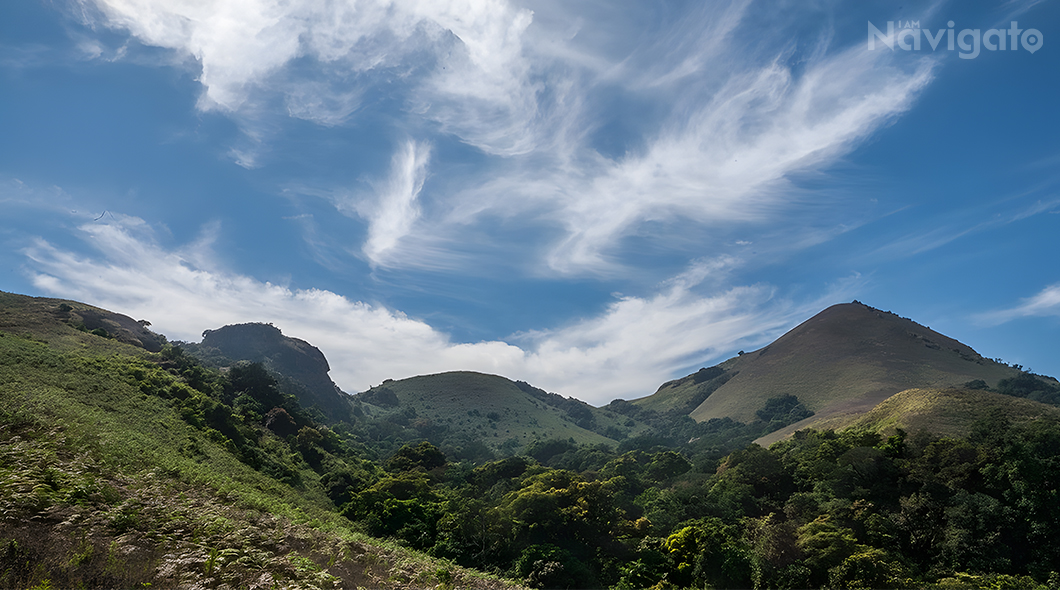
{"x": 833, "y": 367}
{"x": 467, "y": 413}
{"x": 843, "y": 361}
{"x": 460, "y": 408}
{"x": 302, "y": 368}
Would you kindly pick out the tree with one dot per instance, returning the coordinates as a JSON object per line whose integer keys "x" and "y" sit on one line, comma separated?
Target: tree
{"x": 869, "y": 568}
{"x": 825, "y": 544}
{"x": 423, "y": 456}
{"x": 710, "y": 552}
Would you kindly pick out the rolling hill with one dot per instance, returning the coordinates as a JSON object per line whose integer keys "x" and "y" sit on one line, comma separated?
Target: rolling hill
{"x": 459, "y": 410}
{"x": 462, "y": 407}
{"x": 70, "y": 325}
{"x": 843, "y": 361}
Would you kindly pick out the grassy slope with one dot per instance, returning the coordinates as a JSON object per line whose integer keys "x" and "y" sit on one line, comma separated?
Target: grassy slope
{"x": 103, "y": 486}
{"x": 687, "y": 393}
{"x": 849, "y": 357}
{"x": 464, "y": 401}
{"x": 42, "y": 319}
{"x": 944, "y": 412}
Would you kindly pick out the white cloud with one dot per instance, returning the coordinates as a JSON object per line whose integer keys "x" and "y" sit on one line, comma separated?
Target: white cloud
{"x": 1046, "y": 303}
{"x": 727, "y": 161}
{"x": 393, "y": 212}
{"x": 626, "y": 352}
{"x": 320, "y": 56}
{"x": 730, "y": 119}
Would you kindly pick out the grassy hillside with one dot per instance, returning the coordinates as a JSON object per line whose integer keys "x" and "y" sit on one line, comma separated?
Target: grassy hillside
{"x": 116, "y": 472}
{"x": 462, "y": 408}
{"x": 62, "y": 323}
{"x": 848, "y": 358}
{"x": 951, "y": 412}
{"x": 686, "y": 394}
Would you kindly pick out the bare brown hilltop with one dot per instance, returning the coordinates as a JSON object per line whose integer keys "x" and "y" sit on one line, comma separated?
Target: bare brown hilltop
{"x": 844, "y": 360}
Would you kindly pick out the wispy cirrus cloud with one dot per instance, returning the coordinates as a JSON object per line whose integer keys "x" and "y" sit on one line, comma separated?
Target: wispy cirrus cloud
{"x": 991, "y": 216}
{"x": 393, "y": 208}
{"x": 732, "y": 115}
{"x": 1045, "y": 303}
{"x": 726, "y": 162}
{"x": 624, "y": 352}
{"x": 461, "y": 62}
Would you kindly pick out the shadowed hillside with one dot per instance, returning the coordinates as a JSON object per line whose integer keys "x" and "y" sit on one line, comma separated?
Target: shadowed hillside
{"x": 292, "y": 359}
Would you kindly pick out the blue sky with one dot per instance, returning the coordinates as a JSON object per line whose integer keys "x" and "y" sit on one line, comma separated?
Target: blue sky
{"x": 592, "y": 197}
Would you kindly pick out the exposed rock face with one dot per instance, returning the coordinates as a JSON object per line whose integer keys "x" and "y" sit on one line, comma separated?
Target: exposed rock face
{"x": 292, "y": 358}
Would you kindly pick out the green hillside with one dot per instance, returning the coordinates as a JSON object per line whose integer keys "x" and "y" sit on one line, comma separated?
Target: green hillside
{"x": 951, "y": 412}
{"x": 72, "y": 326}
{"x": 466, "y": 409}
{"x": 686, "y": 394}
{"x": 121, "y": 467}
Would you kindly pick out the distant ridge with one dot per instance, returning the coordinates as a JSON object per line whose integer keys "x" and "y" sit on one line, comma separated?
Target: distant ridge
{"x": 946, "y": 412}
{"x": 844, "y": 360}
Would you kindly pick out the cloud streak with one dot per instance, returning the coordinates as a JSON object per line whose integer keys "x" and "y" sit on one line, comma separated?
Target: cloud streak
{"x": 392, "y": 216}
{"x": 733, "y": 116}
{"x": 727, "y": 162}
{"x": 1045, "y": 303}
{"x": 319, "y": 57}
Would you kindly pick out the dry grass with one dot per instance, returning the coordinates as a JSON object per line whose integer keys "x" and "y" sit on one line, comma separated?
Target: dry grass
{"x": 848, "y": 357}
{"x": 950, "y": 412}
